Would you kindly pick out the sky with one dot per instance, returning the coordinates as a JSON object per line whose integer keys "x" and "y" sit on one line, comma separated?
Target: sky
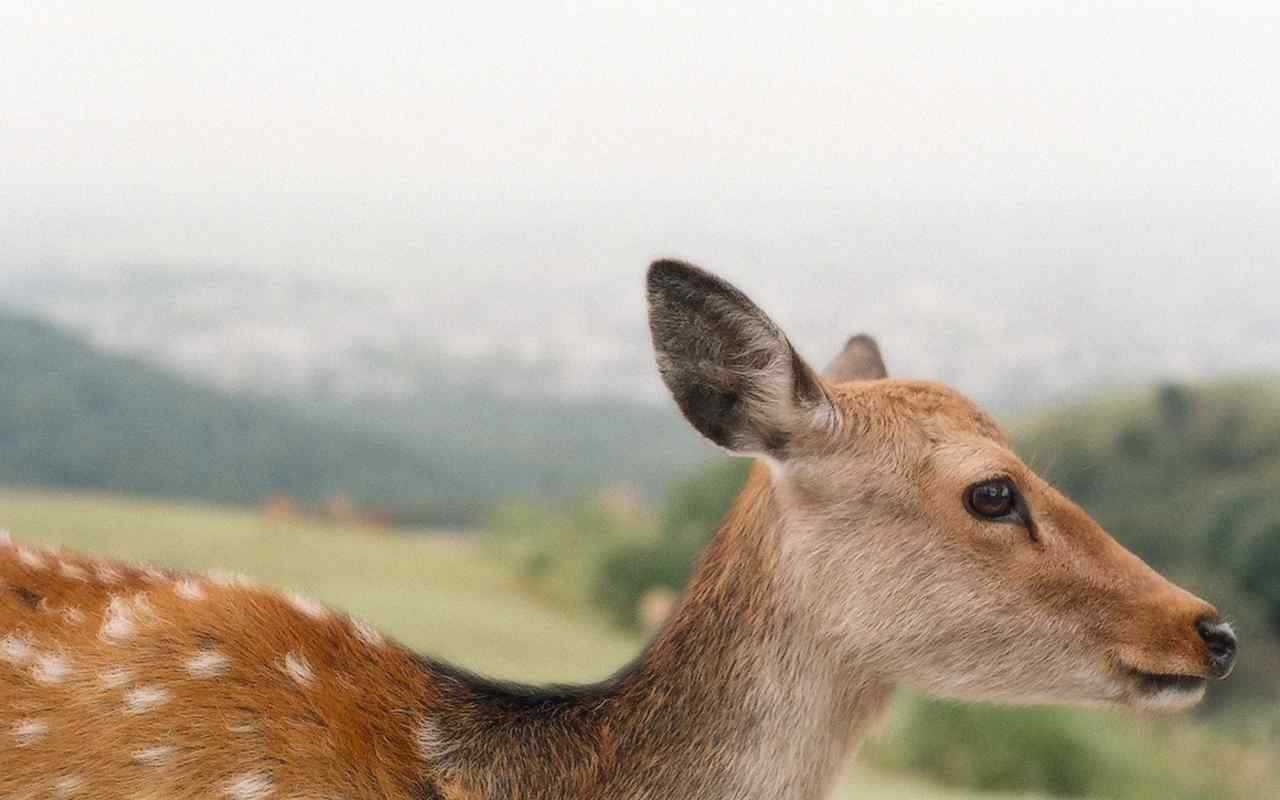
{"x": 426, "y": 143}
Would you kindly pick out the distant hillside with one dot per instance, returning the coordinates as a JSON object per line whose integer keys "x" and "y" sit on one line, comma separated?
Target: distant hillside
{"x": 499, "y": 445}
{"x": 72, "y": 416}
{"x": 1187, "y": 474}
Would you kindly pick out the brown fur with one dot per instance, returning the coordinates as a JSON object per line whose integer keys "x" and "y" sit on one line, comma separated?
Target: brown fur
{"x": 848, "y": 565}
{"x": 351, "y": 734}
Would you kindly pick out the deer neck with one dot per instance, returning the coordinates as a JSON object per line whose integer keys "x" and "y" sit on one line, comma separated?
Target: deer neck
{"x": 737, "y": 698}
{"x": 767, "y": 706}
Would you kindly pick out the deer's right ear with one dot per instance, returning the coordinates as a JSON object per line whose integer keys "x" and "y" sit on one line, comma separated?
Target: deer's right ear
{"x": 731, "y": 370}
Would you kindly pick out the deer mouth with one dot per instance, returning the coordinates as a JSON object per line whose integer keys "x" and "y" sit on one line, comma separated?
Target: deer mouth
{"x": 1156, "y": 682}
{"x": 1166, "y": 689}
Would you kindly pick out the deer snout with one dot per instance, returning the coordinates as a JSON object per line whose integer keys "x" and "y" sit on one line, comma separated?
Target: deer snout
{"x": 1220, "y": 643}
{"x": 1173, "y": 637}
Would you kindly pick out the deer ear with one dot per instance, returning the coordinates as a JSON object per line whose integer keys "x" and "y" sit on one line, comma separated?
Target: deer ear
{"x": 731, "y": 370}
{"x": 859, "y": 361}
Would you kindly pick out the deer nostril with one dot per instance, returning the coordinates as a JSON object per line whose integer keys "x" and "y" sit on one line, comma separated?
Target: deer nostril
{"x": 1221, "y": 643}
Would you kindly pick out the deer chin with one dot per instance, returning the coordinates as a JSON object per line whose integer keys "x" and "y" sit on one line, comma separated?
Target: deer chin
{"x": 1162, "y": 691}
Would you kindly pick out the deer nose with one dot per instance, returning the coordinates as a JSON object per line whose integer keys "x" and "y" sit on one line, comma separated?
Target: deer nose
{"x": 1220, "y": 641}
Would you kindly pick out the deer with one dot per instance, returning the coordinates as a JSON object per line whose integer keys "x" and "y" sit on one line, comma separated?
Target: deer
{"x": 886, "y": 536}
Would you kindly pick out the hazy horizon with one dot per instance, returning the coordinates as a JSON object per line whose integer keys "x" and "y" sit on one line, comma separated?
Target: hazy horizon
{"x": 1086, "y": 187}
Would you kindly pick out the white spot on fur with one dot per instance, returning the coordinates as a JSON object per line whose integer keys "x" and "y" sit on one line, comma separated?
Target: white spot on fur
{"x": 115, "y": 677}
{"x": 72, "y": 571}
{"x": 153, "y": 756}
{"x": 432, "y": 742}
{"x": 118, "y": 623}
{"x": 153, "y": 575}
{"x": 230, "y": 580}
{"x": 29, "y": 731}
{"x": 366, "y": 633}
{"x": 107, "y": 574}
{"x": 142, "y": 604}
{"x": 30, "y": 558}
{"x": 51, "y": 668}
{"x": 249, "y": 786}
{"x": 299, "y": 669}
{"x": 68, "y": 785}
{"x": 307, "y": 606}
{"x": 207, "y": 664}
{"x": 188, "y": 589}
{"x": 145, "y": 698}
{"x": 73, "y": 616}
{"x": 15, "y": 650}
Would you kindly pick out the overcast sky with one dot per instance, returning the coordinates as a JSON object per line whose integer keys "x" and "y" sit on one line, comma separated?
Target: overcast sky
{"x": 432, "y": 141}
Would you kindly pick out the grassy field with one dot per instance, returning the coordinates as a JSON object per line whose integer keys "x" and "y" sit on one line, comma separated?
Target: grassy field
{"x": 435, "y": 592}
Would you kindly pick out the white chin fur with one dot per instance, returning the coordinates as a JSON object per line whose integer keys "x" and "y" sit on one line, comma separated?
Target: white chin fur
{"x": 1170, "y": 699}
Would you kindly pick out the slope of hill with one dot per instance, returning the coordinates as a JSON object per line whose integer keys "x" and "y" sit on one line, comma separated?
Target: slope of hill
{"x": 499, "y": 445}
{"x": 73, "y": 416}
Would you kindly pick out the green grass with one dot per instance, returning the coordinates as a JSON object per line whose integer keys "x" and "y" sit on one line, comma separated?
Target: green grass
{"x": 437, "y": 593}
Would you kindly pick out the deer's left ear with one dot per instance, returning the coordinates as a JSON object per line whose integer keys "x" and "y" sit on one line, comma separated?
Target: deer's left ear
{"x": 860, "y": 360}
{"x": 730, "y": 369}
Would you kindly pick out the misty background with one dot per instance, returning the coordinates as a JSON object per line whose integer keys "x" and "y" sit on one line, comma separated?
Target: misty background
{"x": 1024, "y": 199}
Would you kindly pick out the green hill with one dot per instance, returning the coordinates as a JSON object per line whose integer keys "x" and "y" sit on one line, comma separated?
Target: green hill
{"x": 71, "y": 416}
{"x": 537, "y": 446}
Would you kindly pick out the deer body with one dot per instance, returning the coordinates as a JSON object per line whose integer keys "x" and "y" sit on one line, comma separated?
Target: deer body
{"x": 866, "y": 550}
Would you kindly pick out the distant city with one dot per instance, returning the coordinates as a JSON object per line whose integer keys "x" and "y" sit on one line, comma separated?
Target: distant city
{"x": 1016, "y": 347}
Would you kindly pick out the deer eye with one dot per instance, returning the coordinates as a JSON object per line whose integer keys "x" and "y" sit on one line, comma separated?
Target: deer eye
{"x": 993, "y": 499}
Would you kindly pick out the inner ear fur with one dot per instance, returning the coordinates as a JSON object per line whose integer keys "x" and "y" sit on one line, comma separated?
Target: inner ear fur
{"x": 731, "y": 370}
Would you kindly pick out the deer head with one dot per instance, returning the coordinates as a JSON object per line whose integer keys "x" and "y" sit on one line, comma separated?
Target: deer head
{"x": 925, "y": 550}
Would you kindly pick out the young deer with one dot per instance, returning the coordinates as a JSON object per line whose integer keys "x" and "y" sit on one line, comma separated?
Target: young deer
{"x": 888, "y": 535}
